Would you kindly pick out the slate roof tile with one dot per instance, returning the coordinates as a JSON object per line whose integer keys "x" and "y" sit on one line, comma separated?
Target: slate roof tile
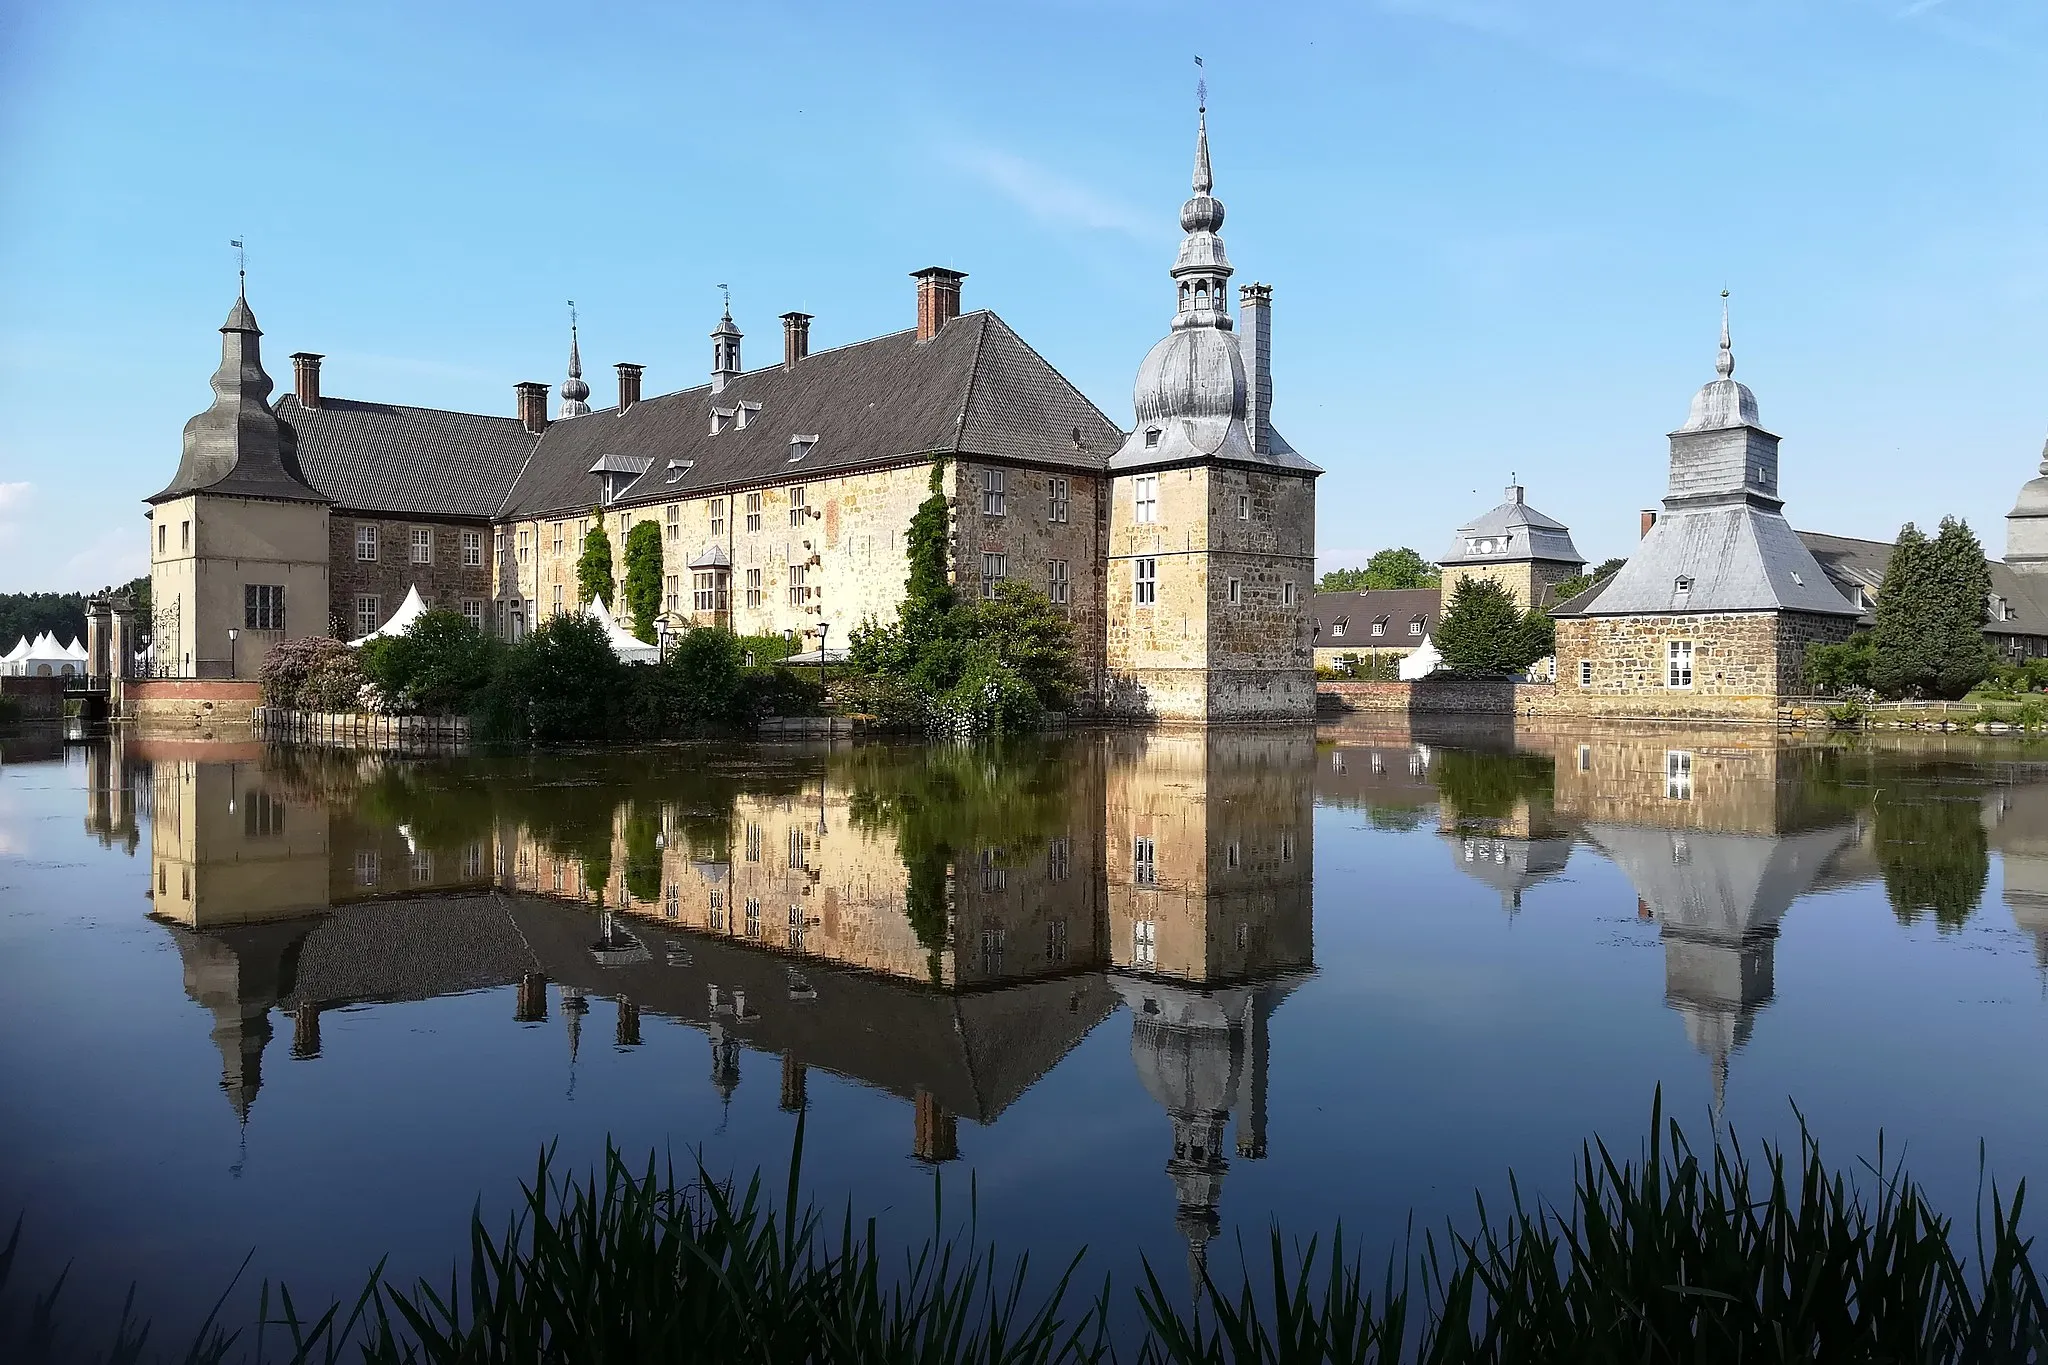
{"x": 382, "y": 457}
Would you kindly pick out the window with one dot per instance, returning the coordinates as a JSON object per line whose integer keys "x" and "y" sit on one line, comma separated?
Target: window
{"x": 1144, "y": 943}
{"x": 1244, "y": 507}
{"x": 1414, "y": 626}
{"x": 556, "y": 528}
{"x": 1379, "y": 627}
{"x": 263, "y": 606}
{"x": 753, "y": 511}
{"x": 704, "y": 591}
{"x": 1287, "y": 600}
{"x": 582, "y": 531}
{"x": 472, "y": 549}
{"x": 558, "y": 599}
{"x": 994, "y": 876}
{"x": 368, "y": 614}
{"x": 1147, "y": 582}
{"x": 1585, "y": 758}
{"x": 1056, "y": 500}
{"x": 1151, "y": 438}
{"x": 753, "y": 917}
{"x": 993, "y": 485}
{"x": 796, "y": 928}
{"x": 184, "y": 535}
{"x": 717, "y": 915}
{"x": 717, "y": 517}
{"x": 1234, "y": 590}
{"x": 1145, "y": 499}
{"x": 993, "y": 940}
{"x": 1678, "y": 775}
{"x": 366, "y": 867}
{"x": 498, "y": 542}
{"x": 676, "y": 470}
{"x": 672, "y": 901}
{"x": 753, "y": 843}
{"x": 366, "y": 544}
{"x": 1286, "y": 848}
{"x": 473, "y": 611}
{"x": 1144, "y": 863}
{"x": 422, "y": 545}
{"x": 1585, "y": 672}
{"x": 994, "y": 569}
{"x": 671, "y": 594}
{"x": 1233, "y": 852}
{"x": 800, "y": 446}
{"x": 753, "y": 587}
{"x": 524, "y": 533}
{"x": 1681, "y": 590}
{"x": 162, "y": 539}
{"x": 1058, "y": 856}
{"x": 1056, "y": 581}
{"x": 799, "y": 847}
{"x": 799, "y": 585}
{"x": 262, "y": 815}
{"x": 799, "y": 506}
{"x": 1678, "y": 664}
{"x": 672, "y": 514}
{"x": 1056, "y": 941}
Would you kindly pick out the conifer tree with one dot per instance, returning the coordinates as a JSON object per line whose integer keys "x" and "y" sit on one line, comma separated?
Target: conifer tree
{"x": 594, "y": 566}
{"x": 1965, "y": 581}
{"x": 1485, "y": 630}
{"x": 1929, "y": 636}
{"x": 643, "y": 577}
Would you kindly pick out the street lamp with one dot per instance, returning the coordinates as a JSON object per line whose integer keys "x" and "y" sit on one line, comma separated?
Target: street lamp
{"x": 232, "y": 633}
{"x": 823, "y": 627}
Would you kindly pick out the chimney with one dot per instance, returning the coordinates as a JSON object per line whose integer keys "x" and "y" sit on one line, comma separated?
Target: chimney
{"x": 1515, "y": 491}
{"x": 938, "y": 298}
{"x": 796, "y": 338}
{"x": 1255, "y": 343}
{"x": 306, "y": 378}
{"x": 1649, "y": 519}
{"x": 533, "y": 406}
{"x": 629, "y": 383}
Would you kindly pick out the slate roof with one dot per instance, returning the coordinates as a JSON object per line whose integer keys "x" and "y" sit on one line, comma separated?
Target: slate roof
{"x": 1737, "y": 557}
{"x": 381, "y": 457}
{"x": 1860, "y": 564}
{"x": 975, "y": 390}
{"x": 1528, "y": 535}
{"x": 240, "y": 445}
{"x": 1358, "y": 610}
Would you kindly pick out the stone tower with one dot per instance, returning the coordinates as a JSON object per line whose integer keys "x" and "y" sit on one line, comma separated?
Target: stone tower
{"x": 1211, "y": 553}
{"x": 2026, "y": 532}
{"x": 238, "y": 541}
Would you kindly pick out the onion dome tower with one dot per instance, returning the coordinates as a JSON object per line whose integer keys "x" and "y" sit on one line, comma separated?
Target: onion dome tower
{"x": 575, "y": 393}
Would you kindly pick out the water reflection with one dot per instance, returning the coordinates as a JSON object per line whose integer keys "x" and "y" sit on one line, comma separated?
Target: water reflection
{"x": 947, "y": 925}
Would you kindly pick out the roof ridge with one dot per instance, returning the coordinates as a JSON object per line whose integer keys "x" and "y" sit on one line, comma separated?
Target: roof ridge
{"x": 973, "y": 376}
{"x": 326, "y": 400}
{"x": 1072, "y": 387}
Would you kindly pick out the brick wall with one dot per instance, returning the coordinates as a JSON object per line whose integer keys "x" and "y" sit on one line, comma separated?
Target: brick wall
{"x": 445, "y": 582}
{"x": 206, "y": 707}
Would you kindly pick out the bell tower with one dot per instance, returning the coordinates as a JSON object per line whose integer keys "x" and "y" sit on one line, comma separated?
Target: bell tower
{"x": 1211, "y": 553}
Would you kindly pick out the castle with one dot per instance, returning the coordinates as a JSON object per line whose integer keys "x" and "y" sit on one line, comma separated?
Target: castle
{"x": 1183, "y": 550}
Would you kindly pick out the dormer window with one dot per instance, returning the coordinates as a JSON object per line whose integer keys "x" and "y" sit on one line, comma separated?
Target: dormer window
{"x": 1151, "y": 438}
{"x": 676, "y": 470}
{"x": 743, "y": 412}
{"x": 1681, "y": 588}
{"x": 800, "y": 446}
{"x": 1337, "y": 629}
{"x": 1415, "y": 626}
{"x": 1379, "y": 627}
{"x": 722, "y": 419}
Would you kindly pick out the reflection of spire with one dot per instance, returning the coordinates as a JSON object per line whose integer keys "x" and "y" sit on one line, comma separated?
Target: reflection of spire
{"x": 574, "y": 1007}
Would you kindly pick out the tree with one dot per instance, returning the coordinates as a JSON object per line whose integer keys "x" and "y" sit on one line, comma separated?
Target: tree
{"x": 1396, "y": 568}
{"x": 594, "y": 565}
{"x": 1929, "y": 635}
{"x": 1833, "y": 669}
{"x": 1572, "y": 587}
{"x": 561, "y": 684}
{"x": 1485, "y": 630}
{"x": 440, "y": 665}
{"x": 643, "y": 576}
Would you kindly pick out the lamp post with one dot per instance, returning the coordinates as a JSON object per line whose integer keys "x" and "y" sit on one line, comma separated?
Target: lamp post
{"x": 232, "y": 633}
{"x": 823, "y": 627}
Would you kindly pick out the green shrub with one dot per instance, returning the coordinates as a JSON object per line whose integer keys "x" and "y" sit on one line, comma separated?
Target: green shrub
{"x": 1833, "y": 669}
{"x": 1848, "y": 715}
{"x": 759, "y": 651}
{"x": 697, "y": 685}
{"x": 1484, "y": 631}
{"x": 779, "y": 691}
{"x": 594, "y": 563}
{"x": 560, "y": 685}
{"x": 312, "y": 673}
{"x": 440, "y": 666}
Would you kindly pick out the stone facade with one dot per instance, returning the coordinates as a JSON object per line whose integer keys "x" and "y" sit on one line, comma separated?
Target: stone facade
{"x": 1741, "y": 665}
{"x": 453, "y": 571}
{"x": 206, "y": 551}
{"x": 1530, "y": 581}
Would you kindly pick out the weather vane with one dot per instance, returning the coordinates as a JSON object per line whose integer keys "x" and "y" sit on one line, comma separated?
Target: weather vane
{"x": 728, "y": 297}
{"x": 241, "y": 262}
{"x": 1201, "y": 88}
{"x": 572, "y": 315}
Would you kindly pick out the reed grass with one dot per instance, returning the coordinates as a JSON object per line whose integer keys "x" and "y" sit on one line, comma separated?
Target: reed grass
{"x": 1675, "y": 1256}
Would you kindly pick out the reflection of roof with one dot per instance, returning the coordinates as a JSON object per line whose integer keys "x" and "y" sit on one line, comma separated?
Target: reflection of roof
{"x": 1509, "y": 866}
{"x": 1187, "y": 1043}
{"x": 1716, "y": 886}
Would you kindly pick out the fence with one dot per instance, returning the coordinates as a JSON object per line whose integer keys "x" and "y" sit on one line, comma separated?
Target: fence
{"x": 366, "y": 730}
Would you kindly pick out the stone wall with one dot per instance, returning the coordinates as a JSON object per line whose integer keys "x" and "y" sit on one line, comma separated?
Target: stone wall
{"x": 1431, "y": 696}
{"x": 1743, "y": 664}
{"x": 206, "y": 706}
{"x": 1528, "y": 580}
{"x": 446, "y": 581}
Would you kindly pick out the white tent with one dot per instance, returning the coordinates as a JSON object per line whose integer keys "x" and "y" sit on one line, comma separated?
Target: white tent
{"x": 46, "y": 659}
{"x": 410, "y": 610}
{"x": 832, "y": 656}
{"x": 1420, "y": 661}
{"x": 14, "y": 656}
{"x": 624, "y": 643}
{"x": 76, "y": 649}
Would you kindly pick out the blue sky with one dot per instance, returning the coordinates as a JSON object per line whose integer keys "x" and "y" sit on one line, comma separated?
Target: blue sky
{"x": 1496, "y": 229}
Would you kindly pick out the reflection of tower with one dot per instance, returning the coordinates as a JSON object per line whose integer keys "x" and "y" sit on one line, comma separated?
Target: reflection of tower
{"x": 1508, "y": 864}
{"x": 110, "y": 794}
{"x": 627, "y": 1033}
{"x": 1201, "y": 1054}
{"x": 1718, "y": 898}
{"x": 2018, "y": 824}
{"x": 937, "y": 1135}
{"x": 795, "y": 1090}
{"x": 238, "y": 974}
{"x": 533, "y": 999}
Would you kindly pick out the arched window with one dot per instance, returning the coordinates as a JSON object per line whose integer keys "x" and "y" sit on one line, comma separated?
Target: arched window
{"x": 1183, "y": 296}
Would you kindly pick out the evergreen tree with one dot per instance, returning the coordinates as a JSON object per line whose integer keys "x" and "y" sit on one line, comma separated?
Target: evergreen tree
{"x": 1929, "y": 638}
{"x": 643, "y": 576}
{"x": 1965, "y": 582}
{"x": 594, "y": 566}
{"x": 1485, "y": 630}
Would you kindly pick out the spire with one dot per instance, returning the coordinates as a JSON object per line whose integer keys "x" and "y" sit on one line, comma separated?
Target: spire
{"x": 1205, "y": 180}
{"x": 725, "y": 347}
{"x": 1724, "y": 363}
{"x": 574, "y": 390}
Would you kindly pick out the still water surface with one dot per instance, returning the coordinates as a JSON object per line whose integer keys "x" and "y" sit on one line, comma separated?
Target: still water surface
{"x": 1150, "y": 992}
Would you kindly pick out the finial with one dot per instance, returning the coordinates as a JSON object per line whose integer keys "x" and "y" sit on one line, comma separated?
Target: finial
{"x": 575, "y": 392}
{"x": 1201, "y": 88}
{"x": 1204, "y": 180}
{"x": 241, "y": 264}
{"x": 1724, "y": 363}
{"x": 728, "y": 299}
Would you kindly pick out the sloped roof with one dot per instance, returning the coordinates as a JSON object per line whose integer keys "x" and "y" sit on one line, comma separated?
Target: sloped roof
{"x": 240, "y": 446}
{"x": 1520, "y": 533}
{"x": 1358, "y": 610}
{"x": 382, "y": 457}
{"x": 1860, "y": 564}
{"x": 973, "y": 390}
{"x": 1736, "y": 557}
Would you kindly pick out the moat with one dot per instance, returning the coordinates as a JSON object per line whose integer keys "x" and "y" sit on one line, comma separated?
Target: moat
{"x": 1148, "y": 992}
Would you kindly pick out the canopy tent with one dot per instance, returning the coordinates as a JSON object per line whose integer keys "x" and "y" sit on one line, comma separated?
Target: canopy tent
{"x": 76, "y": 649}
{"x": 1420, "y": 661}
{"x": 624, "y": 643}
{"x": 45, "y": 658}
{"x": 831, "y": 656}
{"x": 14, "y": 656}
{"x": 410, "y": 610}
